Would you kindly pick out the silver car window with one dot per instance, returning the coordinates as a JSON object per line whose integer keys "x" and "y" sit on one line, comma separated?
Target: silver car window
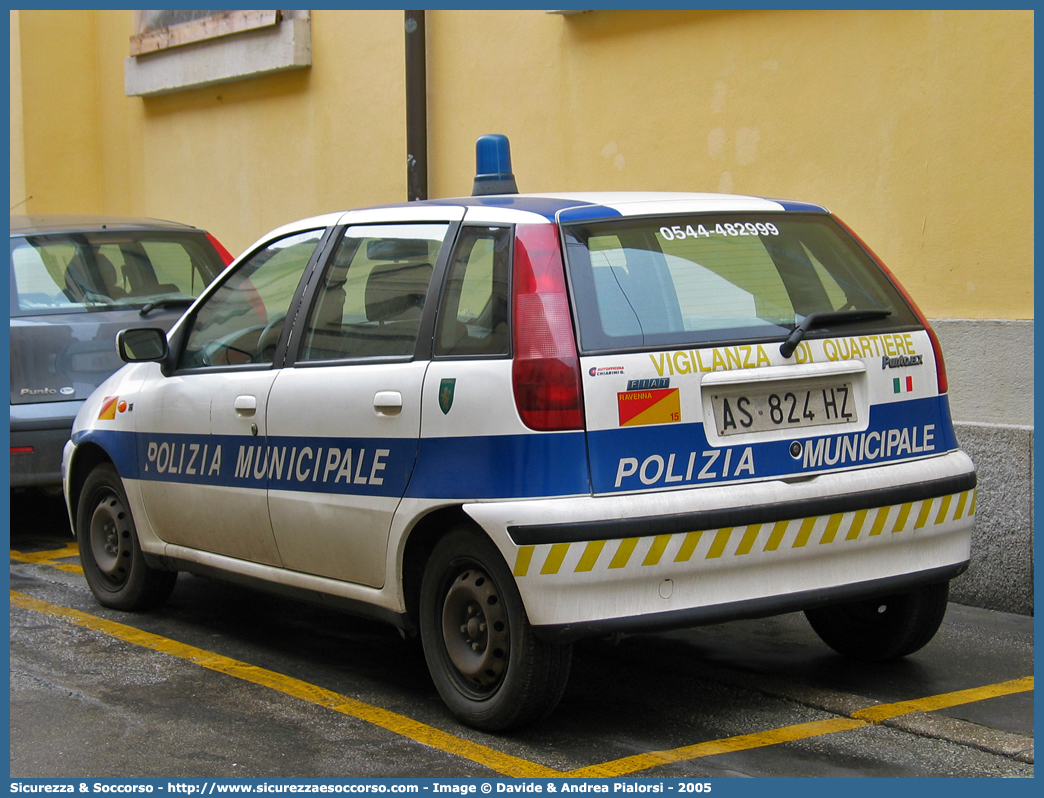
{"x": 373, "y": 293}
{"x": 691, "y": 280}
{"x": 240, "y": 323}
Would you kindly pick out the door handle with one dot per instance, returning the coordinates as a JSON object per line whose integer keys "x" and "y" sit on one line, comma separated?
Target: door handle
{"x": 388, "y": 403}
{"x": 245, "y": 406}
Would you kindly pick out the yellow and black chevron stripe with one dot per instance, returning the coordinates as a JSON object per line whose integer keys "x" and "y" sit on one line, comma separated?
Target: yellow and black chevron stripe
{"x": 712, "y": 544}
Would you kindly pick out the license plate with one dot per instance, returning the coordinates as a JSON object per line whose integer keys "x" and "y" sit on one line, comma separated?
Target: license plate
{"x": 762, "y": 407}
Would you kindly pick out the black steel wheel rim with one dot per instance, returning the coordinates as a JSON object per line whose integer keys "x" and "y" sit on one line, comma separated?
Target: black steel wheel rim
{"x": 110, "y": 537}
{"x": 476, "y": 631}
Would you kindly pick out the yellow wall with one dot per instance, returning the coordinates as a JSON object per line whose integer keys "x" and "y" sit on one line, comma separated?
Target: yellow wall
{"x": 60, "y": 117}
{"x": 915, "y": 127}
{"x": 248, "y": 156}
{"x": 18, "y": 195}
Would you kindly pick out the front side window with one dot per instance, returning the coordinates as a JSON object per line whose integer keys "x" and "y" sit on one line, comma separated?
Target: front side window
{"x": 68, "y": 272}
{"x": 370, "y": 302}
{"x": 691, "y": 280}
{"x": 240, "y": 323}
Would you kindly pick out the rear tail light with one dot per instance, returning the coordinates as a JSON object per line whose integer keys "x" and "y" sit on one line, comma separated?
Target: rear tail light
{"x": 546, "y": 369}
{"x": 940, "y": 364}
{"x": 21, "y": 450}
{"x": 226, "y": 256}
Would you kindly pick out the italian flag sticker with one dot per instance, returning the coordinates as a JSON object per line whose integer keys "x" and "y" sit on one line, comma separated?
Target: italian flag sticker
{"x": 660, "y": 406}
{"x": 900, "y": 385}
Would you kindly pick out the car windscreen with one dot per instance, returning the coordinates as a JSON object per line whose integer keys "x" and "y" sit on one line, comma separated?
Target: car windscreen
{"x": 702, "y": 278}
{"x": 68, "y": 272}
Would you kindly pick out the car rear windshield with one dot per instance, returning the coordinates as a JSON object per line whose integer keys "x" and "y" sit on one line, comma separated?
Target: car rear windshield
{"x": 60, "y": 273}
{"x": 702, "y": 278}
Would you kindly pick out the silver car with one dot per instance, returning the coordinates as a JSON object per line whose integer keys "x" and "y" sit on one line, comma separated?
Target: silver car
{"x": 76, "y": 281}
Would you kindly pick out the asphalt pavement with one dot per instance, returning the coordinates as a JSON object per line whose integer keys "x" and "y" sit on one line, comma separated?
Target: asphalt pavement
{"x": 223, "y": 681}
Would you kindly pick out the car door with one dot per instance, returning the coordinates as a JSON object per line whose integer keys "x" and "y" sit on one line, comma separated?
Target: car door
{"x": 345, "y": 418}
{"x": 203, "y": 429}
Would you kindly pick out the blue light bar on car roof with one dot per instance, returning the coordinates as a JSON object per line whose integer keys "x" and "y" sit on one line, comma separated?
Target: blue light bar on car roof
{"x": 493, "y": 166}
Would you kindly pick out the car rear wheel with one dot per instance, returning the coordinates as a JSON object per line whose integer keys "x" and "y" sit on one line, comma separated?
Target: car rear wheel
{"x": 875, "y": 630}
{"x": 110, "y": 554}
{"x": 488, "y": 665}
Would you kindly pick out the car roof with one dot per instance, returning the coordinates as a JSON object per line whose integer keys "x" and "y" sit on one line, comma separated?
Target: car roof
{"x": 636, "y": 201}
{"x": 577, "y": 206}
{"x": 68, "y": 223}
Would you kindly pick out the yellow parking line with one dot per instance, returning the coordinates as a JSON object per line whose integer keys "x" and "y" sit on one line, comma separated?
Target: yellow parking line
{"x": 801, "y": 731}
{"x": 44, "y": 557}
{"x": 72, "y": 568}
{"x": 393, "y": 722}
{"x": 743, "y": 742}
{"x": 507, "y": 764}
{"x": 880, "y": 712}
{"x": 48, "y": 558}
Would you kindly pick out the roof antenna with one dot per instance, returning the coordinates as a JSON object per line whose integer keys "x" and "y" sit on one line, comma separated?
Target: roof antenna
{"x": 493, "y": 166}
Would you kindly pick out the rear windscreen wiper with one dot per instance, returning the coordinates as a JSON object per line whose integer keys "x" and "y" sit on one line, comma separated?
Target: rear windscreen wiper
{"x": 176, "y": 302}
{"x": 825, "y": 320}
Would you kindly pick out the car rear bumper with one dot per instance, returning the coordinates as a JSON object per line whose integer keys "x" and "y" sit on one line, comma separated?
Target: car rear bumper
{"x": 591, "y": 565}
{"x": 760, "y": 607}
{"x": 44, "y": 428}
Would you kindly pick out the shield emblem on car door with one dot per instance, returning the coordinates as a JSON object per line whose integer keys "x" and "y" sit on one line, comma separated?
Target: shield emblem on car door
{"x": 446, "y": 394}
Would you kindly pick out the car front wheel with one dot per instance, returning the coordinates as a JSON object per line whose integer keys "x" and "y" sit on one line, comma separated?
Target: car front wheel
{"x": 491, "y": 670}
{"x": 875, "y": 630}
{"x": 110, "y": 554}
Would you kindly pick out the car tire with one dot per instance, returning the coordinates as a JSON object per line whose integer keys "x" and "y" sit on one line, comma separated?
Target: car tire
{"x": 875, "y": 630}
{"x": 490, "y": 668}
{"x": 110, "y": 553}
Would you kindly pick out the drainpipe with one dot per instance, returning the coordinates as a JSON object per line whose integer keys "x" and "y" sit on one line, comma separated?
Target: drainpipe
{"x": 416, "y": 109}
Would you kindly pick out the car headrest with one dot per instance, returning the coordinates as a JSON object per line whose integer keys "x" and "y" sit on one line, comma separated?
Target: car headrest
{"x": 394, "y": 288}
{"x": 397, "y": 249}
{"x": 106, "y": 271}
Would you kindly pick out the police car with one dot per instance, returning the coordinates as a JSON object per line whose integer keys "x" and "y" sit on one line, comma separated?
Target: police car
{"x": 506, "y": 422}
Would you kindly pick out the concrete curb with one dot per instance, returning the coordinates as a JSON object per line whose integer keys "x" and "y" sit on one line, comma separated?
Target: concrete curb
{"x": 1001, "y": 572}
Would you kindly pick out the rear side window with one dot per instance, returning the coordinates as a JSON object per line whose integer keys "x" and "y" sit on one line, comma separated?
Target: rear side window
{"x": 67, "y": 272}
{"x": 709, "y": 278}
{"x": 373, "y": 293}
{"x": 473, "y": 319}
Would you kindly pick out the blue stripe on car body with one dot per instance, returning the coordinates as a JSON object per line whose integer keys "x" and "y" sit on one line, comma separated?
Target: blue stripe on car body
{"x": 518, "y": 466}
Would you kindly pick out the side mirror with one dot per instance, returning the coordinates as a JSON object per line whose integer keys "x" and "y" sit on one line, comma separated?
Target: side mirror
{"x": 142, "y": 345}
